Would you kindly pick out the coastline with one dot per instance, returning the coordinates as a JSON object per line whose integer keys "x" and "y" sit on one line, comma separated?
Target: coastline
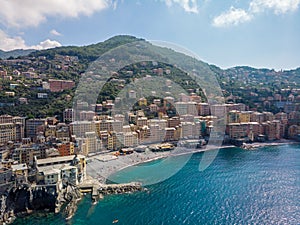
{"x": 101, "y": 170}
{"x": 106, "y": 189}
{"x": 89, "y": 205}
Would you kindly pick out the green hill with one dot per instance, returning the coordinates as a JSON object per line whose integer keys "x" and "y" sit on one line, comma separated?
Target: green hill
{"x": 15, "y": 53}
{"x": 242, "y": 84}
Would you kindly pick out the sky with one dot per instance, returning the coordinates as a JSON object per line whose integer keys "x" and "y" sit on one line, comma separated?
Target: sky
{"x": 257, "y": 33}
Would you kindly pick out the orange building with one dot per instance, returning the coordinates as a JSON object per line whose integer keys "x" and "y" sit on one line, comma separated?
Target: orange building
{"x": 66, "y": 148}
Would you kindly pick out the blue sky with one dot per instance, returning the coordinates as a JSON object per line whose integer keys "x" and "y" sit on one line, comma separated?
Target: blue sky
{"x": 258, "y": 33}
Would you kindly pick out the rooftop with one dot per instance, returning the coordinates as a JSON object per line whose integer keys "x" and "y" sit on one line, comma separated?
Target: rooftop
{"x": 19, "y": 167}
{"x": 60, "y": 159}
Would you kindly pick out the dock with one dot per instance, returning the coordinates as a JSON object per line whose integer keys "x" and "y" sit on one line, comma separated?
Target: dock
{"x": 99, "y": 190}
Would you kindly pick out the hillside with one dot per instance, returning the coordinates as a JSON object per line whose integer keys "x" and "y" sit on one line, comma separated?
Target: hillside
{"x": 15, "y": 53}
{"x": 239, "y": 84}
{"x": 87, "y": 53}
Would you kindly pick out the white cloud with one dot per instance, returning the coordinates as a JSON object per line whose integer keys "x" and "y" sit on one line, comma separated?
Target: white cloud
{"x": 188, "y": 5}
{"x": 278, "y": 6}
{"x": 8, "y": 43}
{"x": 46, "y": 44}
{"x": 20, "y": 13}
{"x": 55, "y": 32}
{"x": 232, "y": 17}
{"x": 238, "y": 16}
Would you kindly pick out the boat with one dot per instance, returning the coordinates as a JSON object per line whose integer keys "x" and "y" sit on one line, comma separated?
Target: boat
{"x": 115, "y": 221}
{"x": 94, "y": 203}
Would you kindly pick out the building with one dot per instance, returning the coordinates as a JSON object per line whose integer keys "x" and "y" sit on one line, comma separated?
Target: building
{"x": 141, "y": 121}
{"x": 142, "y": 102}
{"x": 42, "y": 95}
{"x": 9, "y": 93}
{"x": 187, "y": 118}
{"x": 162, "y": 123}
{"x": 79, "y": 128}
{"x": 282, "y": 117}
{"x": 115, "y": 141}
{"x": 5, "y": 176}
{"x": 156, "y": 133}
{"x": 68, "y": 115}
{"x": 65, "y": 168}
{"x": 268, "y": 116}
{"x": 60, "y": 85}
{"x": 119, "y": 117}
{"x": 86, "y": 115}
{"x": 293, "y": 131}
{"x": 245, "y": 116}
{"x": 6, "y": 119}
{"x": 132, "y": 94}
{"x": 233, "y": 116}
{"x": 272, "y": 130}
{"x": 20, "y": 171}
{"x": 50, "y": 132}
{"x": 186, "y": 108}
{"x": 130, "y": 139}
{"x": 34, "y": 126}
{"x": 170, "y": 134}
{"x": 218, "y": 110}
{"x": 92, "y": 143}
{"x": 203, "y": 109}
{"x": 62, "y": 132}
{"x": 7, "y": 132}
{"x": 48, "y": 176}
{"x": 168, "y": 102}
{"x": 235, "y": 106}
{"x": 66, "y": 148}
{"x": 153, "y": 107}
{"x": 186, "y": 129}
{"x": 25, "y": 154}
{"x": 238, "y": 130}
{"x": 174, "y": 121}
{"x": 20, "y": 127}
{"x": 257, "y": 117}
{"x": 143, "y": 134}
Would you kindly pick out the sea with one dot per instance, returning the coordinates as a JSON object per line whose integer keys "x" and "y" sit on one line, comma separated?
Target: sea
{"x": 260, "y": 186}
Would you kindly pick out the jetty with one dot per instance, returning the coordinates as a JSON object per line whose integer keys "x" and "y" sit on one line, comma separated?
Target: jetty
{"x": 99, "y": 190}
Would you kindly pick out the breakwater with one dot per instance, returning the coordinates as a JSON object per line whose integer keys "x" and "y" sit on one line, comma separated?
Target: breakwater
{"x": 100, "y": 190}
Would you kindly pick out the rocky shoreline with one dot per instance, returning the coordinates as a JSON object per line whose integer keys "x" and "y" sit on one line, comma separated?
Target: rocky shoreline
{"x": 25, "y": 199}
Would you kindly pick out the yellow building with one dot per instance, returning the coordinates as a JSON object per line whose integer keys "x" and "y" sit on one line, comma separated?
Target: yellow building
{"x": 142, "y": 102}
{"x": 50, "y": 131}
{"x": 245, "y": 116}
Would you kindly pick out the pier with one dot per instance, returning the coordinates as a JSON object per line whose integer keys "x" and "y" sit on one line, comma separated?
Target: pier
{"x": 98, "y": 190}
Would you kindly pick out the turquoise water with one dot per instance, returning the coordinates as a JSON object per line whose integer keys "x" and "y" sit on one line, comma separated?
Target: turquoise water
{"x": 239, "y": 187}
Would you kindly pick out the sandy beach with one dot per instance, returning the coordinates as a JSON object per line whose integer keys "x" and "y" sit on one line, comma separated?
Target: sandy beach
{"x": 100, "y": 167}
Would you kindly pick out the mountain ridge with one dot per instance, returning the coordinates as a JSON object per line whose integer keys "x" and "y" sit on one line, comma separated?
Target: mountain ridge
{"x": 86, "y": 52}
{"x": 242, "y": 84}
{"x": 15, "y": 53}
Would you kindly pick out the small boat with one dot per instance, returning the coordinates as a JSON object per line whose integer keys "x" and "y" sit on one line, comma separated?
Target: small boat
{"x": 115, "y": 221}
{"x": 94, "y": 203}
